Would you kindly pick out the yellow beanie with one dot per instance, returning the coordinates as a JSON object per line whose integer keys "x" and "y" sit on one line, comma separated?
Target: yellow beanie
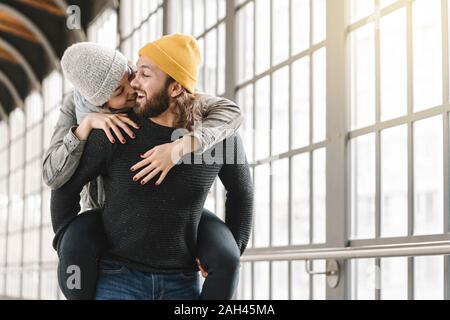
{"x": 178, "y": 55}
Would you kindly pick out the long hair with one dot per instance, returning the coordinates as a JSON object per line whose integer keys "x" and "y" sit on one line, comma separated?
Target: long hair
{"x": 188, "y": 108}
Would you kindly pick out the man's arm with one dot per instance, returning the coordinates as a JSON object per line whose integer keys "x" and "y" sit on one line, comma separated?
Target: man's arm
{"x": 65, "y": 201}
{"x": 65, "y": 150}
{"x": 235, "y": 176}
{"x": 221, "y": 119}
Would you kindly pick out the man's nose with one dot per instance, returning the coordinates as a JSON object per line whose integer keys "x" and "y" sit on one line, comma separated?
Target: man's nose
{"x": 134, "y": 83}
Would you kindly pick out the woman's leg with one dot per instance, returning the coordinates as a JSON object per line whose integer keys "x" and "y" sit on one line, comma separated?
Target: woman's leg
{"x": 219, "y": 256}
{"x": 81, "y": 245}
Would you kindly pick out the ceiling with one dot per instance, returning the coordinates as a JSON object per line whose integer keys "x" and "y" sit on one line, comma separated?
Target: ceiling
{"x": 33, "y": 37}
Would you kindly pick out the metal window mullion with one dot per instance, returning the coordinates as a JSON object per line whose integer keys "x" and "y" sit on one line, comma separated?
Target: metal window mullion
{"x": 217, "y": 50}
{"x": 410, "y": 77}
{"x": 377, "y": 120}
{"x": 193, "y": 18}
{"x": 271, "y": 146}
{"x": 41, "y": 219}
{"x": 311, "y": 141}
{"x": 24, "y": 164}
{"x": 8, "y": 177}
{"x": 166, "y": 17}
{"x": 445, "y": 64}
{"x": 290, "y": 169}
{"x": 254, "y": 110}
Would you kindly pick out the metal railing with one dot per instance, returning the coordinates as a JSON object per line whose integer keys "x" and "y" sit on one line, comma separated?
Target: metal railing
{"x": 332, "y": 256}
{"x": 361, "y": 252}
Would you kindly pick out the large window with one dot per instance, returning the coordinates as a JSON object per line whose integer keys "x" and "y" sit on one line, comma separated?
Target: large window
{"x": 281, "y": 87}
{"x": 399, "y": 135}
{"x": 293, "y": 66}
{"x": 141, "y": 21}
{"x": 27, "y": 259}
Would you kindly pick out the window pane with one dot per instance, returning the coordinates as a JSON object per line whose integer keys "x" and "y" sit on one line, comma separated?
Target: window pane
{"x": 280, "y": 203}
{"x": 428, "y": 173}
{"x": 300, "y": 202}
{"x": 262, "y": 283}
{"x": 280, "y": 112}
{"x": 280, "y": 31}
{"x": 320, "y": 95}
{"x": 245, "y": 42}
{"x": 393, "y": 65}
{"x": 199, "y": 15}
{"x": 280, "y": 288}
{"x": 427, "y": 40}
{"x": 319, "y": 7}
{"x": 394, "y": 182}
{"x": 299, "y": 281}
{"x": 319, "y": 283}
{"x": 210, "y": 56}
{"x": 319, "y": 212}
{"x": 300, "y": 103}
{"x": 262, "y": 118}
{"x": 363, "y": 187}
{"x": 394, "y": 279}
{"x": 300, "y": 25}
{"x": 429, "y": 278}
{"x": 262, "y": 31}
{"x": 362, "y": 77}
{"x": 364, "y": 277}
{"x": 262, "y": 206}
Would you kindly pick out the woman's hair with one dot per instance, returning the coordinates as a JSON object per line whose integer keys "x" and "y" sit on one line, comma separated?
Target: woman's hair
{"x": 188, "y": 108}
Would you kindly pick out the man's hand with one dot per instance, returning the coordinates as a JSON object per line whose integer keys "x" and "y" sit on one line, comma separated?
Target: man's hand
{"x": 162, "y": 159}
{"x": 203, "y": 271}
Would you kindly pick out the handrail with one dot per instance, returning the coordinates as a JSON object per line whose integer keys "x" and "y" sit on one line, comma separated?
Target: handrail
{"x": 379, "y": 251}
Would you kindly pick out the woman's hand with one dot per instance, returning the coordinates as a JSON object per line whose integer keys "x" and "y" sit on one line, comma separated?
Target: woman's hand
{"x": 108, "y": 123}
{"x": 162, "y": 159}
{"x": 203, "y": 271}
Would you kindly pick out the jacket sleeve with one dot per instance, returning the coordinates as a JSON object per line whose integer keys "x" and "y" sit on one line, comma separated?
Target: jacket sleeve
{"x": 63, "y": 155}
{"x": 221, "y": 119}
{"x": 65, "y": 201}
{"x": 236, "y": 178}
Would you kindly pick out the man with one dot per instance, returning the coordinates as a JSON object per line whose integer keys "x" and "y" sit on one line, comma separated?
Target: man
{"x": 153, "y": 230}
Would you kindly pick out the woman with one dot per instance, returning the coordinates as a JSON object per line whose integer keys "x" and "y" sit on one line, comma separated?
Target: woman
{"x": 101, "y": 100}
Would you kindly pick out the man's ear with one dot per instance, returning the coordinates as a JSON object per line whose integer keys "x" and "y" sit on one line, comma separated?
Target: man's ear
{"x": 175, "y": 90}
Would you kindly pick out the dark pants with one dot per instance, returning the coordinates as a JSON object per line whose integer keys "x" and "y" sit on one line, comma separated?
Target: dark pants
{"x": 84, "y": 241}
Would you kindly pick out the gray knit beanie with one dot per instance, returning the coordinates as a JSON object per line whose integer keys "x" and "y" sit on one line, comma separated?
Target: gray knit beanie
{"x": 94, "y": 70}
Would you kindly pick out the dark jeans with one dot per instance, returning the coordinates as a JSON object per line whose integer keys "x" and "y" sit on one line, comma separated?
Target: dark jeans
{"x": 84, "y": 241}
{"x": 117, "y": 282}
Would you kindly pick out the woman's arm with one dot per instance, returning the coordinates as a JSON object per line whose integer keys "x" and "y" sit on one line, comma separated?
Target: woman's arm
{"x": 65, "y": 150}
{"x": 221, "y": 119}
{"x": 68, "y": 140}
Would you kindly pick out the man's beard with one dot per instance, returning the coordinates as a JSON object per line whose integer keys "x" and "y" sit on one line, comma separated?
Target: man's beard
{"x": 155, "y": 106}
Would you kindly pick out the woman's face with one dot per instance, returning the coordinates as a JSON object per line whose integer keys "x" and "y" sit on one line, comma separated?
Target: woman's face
{"x": 124, "y": 96}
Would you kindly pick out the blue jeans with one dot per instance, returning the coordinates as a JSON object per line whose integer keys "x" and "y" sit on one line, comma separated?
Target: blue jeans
{"x": 117, "y": 282}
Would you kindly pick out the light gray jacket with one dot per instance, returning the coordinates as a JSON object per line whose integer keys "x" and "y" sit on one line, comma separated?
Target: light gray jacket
{"x": 222, "y": 118}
